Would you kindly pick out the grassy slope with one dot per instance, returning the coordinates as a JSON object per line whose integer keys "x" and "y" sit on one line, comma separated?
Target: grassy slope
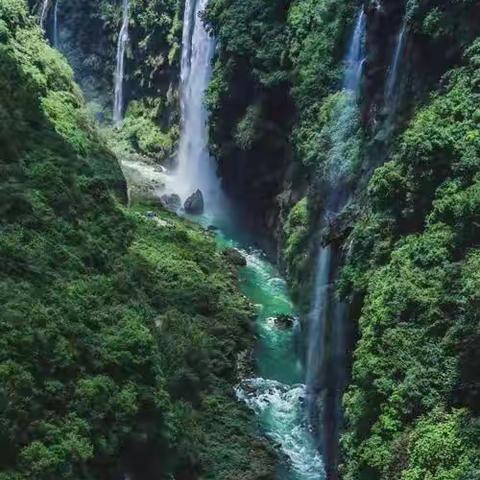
{"x": 118, "y": 332}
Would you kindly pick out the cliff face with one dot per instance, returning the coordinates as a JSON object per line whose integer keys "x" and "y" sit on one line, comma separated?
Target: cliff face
{"x": 405, "y": 240}
{"x": 87, "y": 34}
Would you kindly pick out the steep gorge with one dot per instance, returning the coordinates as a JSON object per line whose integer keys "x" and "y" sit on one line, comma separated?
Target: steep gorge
{"x": 346, "y": 138}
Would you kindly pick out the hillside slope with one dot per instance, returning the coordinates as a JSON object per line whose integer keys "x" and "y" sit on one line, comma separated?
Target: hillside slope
{"x": 119, "y": 328}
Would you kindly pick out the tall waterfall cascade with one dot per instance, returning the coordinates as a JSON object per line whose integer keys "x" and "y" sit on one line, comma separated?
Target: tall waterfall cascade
{"x": 355, "y": 58}
{"x": 56, "y": 42}
{"x": 392, "y": 79}
{"x": 326, "y": 345}
{"x": 352, "y": 81}
{"x": 120, "y": 66}
{"x": 44, "y": 13}
{"x": 196, "y": 169}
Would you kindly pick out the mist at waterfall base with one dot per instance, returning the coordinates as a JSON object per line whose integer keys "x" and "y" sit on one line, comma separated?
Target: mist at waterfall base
{"x": 326, "y": 339}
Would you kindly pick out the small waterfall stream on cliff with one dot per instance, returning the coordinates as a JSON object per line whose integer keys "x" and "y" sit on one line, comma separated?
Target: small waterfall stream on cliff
{"x": 120, "y": 65}
{"x": 355, "y": 56}
{"x": 55, "y": 25}
{"x": 44, "y": 12}
{"x": 392, "y": 79}
{"x": 325, "y": 366}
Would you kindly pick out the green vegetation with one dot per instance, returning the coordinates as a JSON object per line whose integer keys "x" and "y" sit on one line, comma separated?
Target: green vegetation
{"x": 140, "y": 133}
{"x": 410, "y": 238}
{"x": 119, "y": 328}
{"x": 295, "y": 253}
{"x": 412, "y": 409}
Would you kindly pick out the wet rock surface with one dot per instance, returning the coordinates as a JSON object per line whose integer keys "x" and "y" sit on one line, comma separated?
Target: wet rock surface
{"x": 234, "y": 257}
{"x": 284, "y": 322}
{"x": 194, "y": 204}
{"x": 171, "y": 202}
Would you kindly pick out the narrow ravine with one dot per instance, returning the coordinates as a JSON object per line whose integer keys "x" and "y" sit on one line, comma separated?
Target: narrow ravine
{"x": 276, "y": 392}
{"x": 277, "y": 395}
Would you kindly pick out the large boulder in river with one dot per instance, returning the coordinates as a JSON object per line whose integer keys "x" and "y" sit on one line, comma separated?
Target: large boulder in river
{"x": 194, "y": 203}
{"x": 171, "y": 202}
{"x": 234, "y": 257}
{"x": 284, "y": 322}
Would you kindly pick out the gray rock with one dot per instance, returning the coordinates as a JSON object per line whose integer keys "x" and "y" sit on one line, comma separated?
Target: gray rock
{"x": 284, "y": 322}
{"x": 234, "y": 257}
{"x": 194, "y": 203}
{"x": 171, "y": 202}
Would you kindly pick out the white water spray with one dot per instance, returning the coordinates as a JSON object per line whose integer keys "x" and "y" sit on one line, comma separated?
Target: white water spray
{"x": 120, "y": 66}
{"x": 196, "y": 169}
{"x": 397, "y": 55}
{"x": 43, "y": 13}
{"x": 281, "y": 407}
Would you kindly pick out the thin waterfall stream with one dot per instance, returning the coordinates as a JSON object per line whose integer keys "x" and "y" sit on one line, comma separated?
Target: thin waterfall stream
{"x": 56, "y": 42}
{"x": 120, "y": 66}
{"x": 326, "y": 343}
{"x": 392, "y": 79}
{"x": 43, "y": 13}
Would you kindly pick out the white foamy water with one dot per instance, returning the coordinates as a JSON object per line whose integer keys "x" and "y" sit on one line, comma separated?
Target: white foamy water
{"x": 281, "y": 411}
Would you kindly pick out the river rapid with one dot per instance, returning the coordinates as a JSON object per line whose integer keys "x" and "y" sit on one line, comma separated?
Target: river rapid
{"x": 276, "y": 393}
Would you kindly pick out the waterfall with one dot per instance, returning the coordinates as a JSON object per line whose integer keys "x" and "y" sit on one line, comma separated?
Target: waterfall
{"x": 344, "y": 118}
{"x": 195, "y": 167}
{"x": 393, "y": 71}
{"x": 317, "y": 319}
{"x": 43, "y": 13}
{"x": 326, "y": 350}
{"x": 55, "y": 25}
{"x": 355, "y": 56}
{"x": 120, "y": 66}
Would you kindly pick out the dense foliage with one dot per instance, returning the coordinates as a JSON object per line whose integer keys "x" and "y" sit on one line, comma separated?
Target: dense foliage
{"x": 411, "y": 258}
{"x": 412, "y": 409}
{"x": 88, "y": 35}
{"x": 119, "y": 328}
